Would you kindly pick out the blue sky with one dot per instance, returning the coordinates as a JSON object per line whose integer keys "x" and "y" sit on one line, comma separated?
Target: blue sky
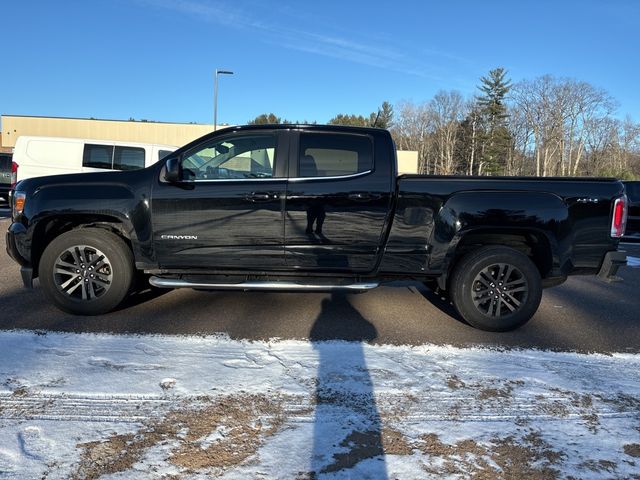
{"x": 302, "y": 60}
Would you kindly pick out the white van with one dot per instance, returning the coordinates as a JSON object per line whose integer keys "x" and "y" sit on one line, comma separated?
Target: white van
{"x": 41, "y": 156}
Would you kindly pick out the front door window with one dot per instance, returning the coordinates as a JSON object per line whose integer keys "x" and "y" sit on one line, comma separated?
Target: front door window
{"x": 237, "y": 157}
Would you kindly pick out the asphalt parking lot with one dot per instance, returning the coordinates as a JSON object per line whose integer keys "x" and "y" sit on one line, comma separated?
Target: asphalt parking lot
{"x": 584, "y": 314}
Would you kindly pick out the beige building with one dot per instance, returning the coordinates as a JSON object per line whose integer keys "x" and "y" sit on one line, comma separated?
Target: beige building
{"x": 128, "y": 131}
{"x": 3, "y": 149}
{"x": 176, "y": 134}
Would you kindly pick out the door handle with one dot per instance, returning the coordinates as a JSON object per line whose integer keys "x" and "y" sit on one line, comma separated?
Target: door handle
{"x": 261, "y": 196}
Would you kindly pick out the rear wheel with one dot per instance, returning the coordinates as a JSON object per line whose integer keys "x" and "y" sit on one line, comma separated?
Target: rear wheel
{"x": 87, "y": 271}
{"x": 496, "y": 288}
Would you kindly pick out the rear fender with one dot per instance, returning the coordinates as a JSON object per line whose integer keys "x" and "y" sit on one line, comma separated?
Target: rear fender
{"x": 542, "y": 215}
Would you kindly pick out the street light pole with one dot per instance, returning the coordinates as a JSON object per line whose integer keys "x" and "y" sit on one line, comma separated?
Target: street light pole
{"x": 215, "y": 96}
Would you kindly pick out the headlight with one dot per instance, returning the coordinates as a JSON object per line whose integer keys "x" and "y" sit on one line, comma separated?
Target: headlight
{"x": 19, "y": 199}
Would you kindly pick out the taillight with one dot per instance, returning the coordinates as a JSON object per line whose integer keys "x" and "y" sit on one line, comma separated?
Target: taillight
{"x": 619, "y": 220}
{"x": 14, "y": 174}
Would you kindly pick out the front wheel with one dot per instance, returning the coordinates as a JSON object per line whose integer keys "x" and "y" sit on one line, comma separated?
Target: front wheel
{"x": 496, "y": 288}
{"x": 86, "y": 271}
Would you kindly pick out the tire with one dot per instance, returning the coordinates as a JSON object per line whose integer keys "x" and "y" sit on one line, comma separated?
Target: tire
{"x": 496, "y": 288}
{"x": 87, "y": 271}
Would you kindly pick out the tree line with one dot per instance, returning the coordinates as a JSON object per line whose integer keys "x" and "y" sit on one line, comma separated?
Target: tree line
{"x": 547, "y": 126}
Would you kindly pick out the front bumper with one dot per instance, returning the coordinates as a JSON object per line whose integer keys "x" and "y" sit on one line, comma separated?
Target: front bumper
{"x": 610, "y": 265}
{"x": 17, "y": 230}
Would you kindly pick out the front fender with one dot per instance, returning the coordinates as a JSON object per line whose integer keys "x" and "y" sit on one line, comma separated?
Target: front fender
{"x": 74, "y": 202}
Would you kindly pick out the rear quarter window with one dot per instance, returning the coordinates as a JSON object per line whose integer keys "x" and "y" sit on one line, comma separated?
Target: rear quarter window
{"x": 163, "y": 153}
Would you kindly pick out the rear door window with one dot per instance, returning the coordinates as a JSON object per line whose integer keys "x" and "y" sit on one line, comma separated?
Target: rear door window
{"x": 128, "y": 158}
{"x": 334, "y": 155}
{"x": 97, "y": 156}
{"x": 108, "y": 157}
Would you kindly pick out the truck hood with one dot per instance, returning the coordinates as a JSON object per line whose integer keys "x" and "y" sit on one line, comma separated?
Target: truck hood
{"x": 93, "y": 179}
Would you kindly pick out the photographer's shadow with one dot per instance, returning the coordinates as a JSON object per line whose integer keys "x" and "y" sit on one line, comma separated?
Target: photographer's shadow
{"x": 347, "y": 425}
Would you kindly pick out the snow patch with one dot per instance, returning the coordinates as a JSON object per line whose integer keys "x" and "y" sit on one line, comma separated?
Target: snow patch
{"x": 287, "y": 409}
{"x": 167, "y": 383}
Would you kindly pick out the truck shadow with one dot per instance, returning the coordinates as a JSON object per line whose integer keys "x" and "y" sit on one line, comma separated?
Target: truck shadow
{"x": 582, "y": 315}
{"x": 346, "y": 414}
{"x": 140, "y": 296}
{"x": 442, "y": 303}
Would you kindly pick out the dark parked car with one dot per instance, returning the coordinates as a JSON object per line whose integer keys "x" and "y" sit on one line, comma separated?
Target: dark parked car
{"x": 7, "y": 175}
{"x": 312, "y": 208}
{"x": 633, "y": 223}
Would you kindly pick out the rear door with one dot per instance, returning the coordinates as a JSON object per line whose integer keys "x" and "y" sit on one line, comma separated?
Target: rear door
{"x": 337, "y": 203}
{"x": 228, "y": 213}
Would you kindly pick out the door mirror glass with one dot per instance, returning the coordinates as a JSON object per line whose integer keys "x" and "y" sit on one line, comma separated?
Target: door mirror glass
{"x": 172, "y": 172}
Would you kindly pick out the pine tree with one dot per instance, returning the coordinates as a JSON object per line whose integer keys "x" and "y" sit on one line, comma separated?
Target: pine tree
{"x": 383, "y": 118}
{"x": 349, "y": 120}
{"x": 496, "y": 137}
{"x": 266, "y": 119}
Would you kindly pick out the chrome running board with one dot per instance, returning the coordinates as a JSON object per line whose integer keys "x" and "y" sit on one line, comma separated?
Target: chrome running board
{"x": 263, "y": 286}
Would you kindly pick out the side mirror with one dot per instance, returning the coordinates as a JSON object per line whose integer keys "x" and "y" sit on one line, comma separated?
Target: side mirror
{"x": 173, "y": 169}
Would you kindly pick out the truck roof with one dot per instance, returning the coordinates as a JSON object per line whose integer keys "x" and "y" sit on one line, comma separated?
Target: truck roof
{"x": 287, "y": 126}
{"x": 305, "y": 126}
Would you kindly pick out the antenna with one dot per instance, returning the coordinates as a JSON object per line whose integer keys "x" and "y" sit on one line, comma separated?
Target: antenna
{"x": 375, "y": 123}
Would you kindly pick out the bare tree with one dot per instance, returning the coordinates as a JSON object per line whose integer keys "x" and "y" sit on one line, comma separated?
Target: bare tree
{"x": 556, "y": 126}
{"x": 447, "y": 109}
{"x": 411, "y": 131}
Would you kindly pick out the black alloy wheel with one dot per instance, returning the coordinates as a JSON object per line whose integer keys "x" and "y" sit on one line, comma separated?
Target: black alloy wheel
{"x": 87, "y": 271}
{"x": 496, "y": 288}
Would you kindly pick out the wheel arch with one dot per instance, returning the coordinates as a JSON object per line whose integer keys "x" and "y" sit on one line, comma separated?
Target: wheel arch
{"x": 538, "y": 245}
{"x": 49, "y": 228}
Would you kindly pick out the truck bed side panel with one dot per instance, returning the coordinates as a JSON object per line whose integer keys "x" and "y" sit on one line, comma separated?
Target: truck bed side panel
{"x": 434, "y": 213}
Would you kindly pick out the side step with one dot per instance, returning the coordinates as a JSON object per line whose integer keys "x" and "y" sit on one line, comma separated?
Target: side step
{"x": 263, "y": 286}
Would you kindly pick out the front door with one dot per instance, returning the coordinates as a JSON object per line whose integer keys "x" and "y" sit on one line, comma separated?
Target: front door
{"x": 337, "y": 204}
{"x": 228, "y": 211}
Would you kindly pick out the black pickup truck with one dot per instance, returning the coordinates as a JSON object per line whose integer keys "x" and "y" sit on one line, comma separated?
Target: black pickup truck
{"x": 312, "y": 208}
